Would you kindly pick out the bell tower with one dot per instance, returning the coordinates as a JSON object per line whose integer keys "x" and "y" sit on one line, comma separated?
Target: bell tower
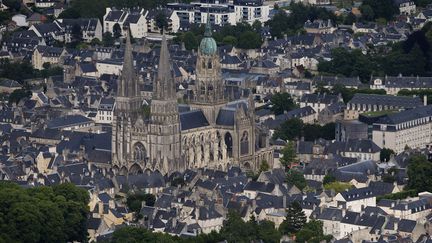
{"x": 208, "y": 93}
{"x": 164, "y": 127}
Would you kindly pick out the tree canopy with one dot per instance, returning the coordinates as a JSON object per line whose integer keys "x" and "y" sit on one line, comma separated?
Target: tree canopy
{"x": 372, "y": 9}
{"x": 291, "y": 24}
{"x": 385, "y": 154}
{"x": 294, "y": 221}
{"x": 282, "y": 102}
{"x": 294, "y": 129}
{"x": 233, "y": 230}
{"x": 289, "y": 154}
{"x": 296, "y": 178}
{"x": 43, "y": 214}
{"x": 410, "y": 57}
{"x": 419, "y": 171}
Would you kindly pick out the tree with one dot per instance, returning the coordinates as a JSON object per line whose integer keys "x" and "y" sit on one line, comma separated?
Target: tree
{"x": 290, "y": 130}
{"x": 190, "y": 40}
{"x": 419, "y": 171}
{"x": 117, "y": 31}
{"x": 382, "y": 9}
{"x": 76, "y": 33}
{"x": 134, "y": 201}
{"x": 161, "y": 20}
{"x": 43, "y": 214}
{"x": 289, "y": 154}
{"x": 14, "y": 5}
{"x": 294, "y": 221}
{"x": 17, "y": 95}
{"x": 267, "y": 232}
{"x": 385, "y": 154}
{"x": 249, "y": 40}
{"x": 282, "y": 102}
{"x": 229, "y": 40}
{"x": 296, "y": 178}
{"x": 312, "y": 231}
{"x": 367, "y": 12}
{"x": 329, "y": 178}
{"x": 264, "y": 166}
{"x": 108, "y": 39}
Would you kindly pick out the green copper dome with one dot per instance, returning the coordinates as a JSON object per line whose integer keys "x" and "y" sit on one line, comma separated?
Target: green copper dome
{"x": 208, "y": 44}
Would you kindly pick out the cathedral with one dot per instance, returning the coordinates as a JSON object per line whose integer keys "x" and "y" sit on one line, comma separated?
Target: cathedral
{"x": 210, "y": 131}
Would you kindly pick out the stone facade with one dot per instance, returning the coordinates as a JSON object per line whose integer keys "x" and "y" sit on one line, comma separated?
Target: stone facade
{"x": 211, "y": 131}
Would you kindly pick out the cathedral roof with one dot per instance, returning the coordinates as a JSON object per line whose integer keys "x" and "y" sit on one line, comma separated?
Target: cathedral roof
{"x": 226, "y": 116}
{"x": 208, "y": 44}
{"x": 192, "y": 119}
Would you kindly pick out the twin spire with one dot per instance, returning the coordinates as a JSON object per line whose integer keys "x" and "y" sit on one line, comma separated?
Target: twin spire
{"x": 128, "y": 85}
{"x": 163, "y": 86}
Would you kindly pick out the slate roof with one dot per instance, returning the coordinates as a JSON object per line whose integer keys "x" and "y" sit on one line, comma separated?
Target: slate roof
{"x": 226, "y": 116}
{"x": 259, "y": 186}
{"x": 193, "y": 119}
{"x": 406, "y": 115}
{"x": 357, "y": 194}
{"x": 319, "y": 98}
{"x": 386, "y": 100}
{"x": 353, "y": 145}
{"x": 66, "y": 121}
{"x": 406, "y": 225}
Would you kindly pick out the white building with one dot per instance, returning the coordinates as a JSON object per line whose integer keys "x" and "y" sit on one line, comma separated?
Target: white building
{"x": 109, "y": 66}
{"x": 356, "y": 199}
{"x": 406, "y": 7}
{"x": 134, "y": 18}
{"x": 20, "y": 20}
{"x": 410, "y": 128}
{"x": 90, "y": 28}
{"x": 105, "y": 111}
{"x": 251, "y": 10}
{"x": 221, "y": 12}
{"x": 44, "y": 3}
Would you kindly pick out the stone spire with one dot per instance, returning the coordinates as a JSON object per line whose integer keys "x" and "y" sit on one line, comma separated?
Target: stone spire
{"x": 164, "y": 88}
{"x": 128, "y": 85}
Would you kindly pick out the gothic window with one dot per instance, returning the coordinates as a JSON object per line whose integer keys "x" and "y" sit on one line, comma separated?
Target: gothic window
{"x": 209, "y": 64}
{"x": 203, "y": 64}
{"x": 244, "y": 143}
{"x": 140, "y": 152}
{"x": 203, "y": 89}
{"x": 229, "y": 144}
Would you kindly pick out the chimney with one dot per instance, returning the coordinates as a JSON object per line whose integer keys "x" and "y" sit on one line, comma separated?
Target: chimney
{"x": 100, "y": 208}
{"x": 425, "y": 100}
{"x": 284, "y": 201}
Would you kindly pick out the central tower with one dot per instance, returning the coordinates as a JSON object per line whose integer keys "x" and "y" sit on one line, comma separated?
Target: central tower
{"x": 208, "y": 92}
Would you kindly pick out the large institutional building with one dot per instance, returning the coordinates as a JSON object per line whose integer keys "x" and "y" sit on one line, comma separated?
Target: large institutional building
{"x": 211, "y": 131}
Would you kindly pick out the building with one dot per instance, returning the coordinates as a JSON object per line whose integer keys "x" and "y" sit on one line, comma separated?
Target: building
{"x": 133, "y": 19}
{"x": 89, "y": 28}
{"x": 105, "y": 112}
{"x": 211, "y": 132}
{"x": 45, "y": 3}
{"x": 319, "y": 27}
{"x": 319, "y": 101}
{"x": 406, "y": 7}
{"x": 410, "y": 128}
{"x": 171, "y": 18}
{"x": 372, "y": 103}
{"x": 47, "y": 54}
{"x": 351, "y": 129}
{"x": 393, "y": 84}
{"x": 251, "y": 10}
{"x": 221, "y": 12}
